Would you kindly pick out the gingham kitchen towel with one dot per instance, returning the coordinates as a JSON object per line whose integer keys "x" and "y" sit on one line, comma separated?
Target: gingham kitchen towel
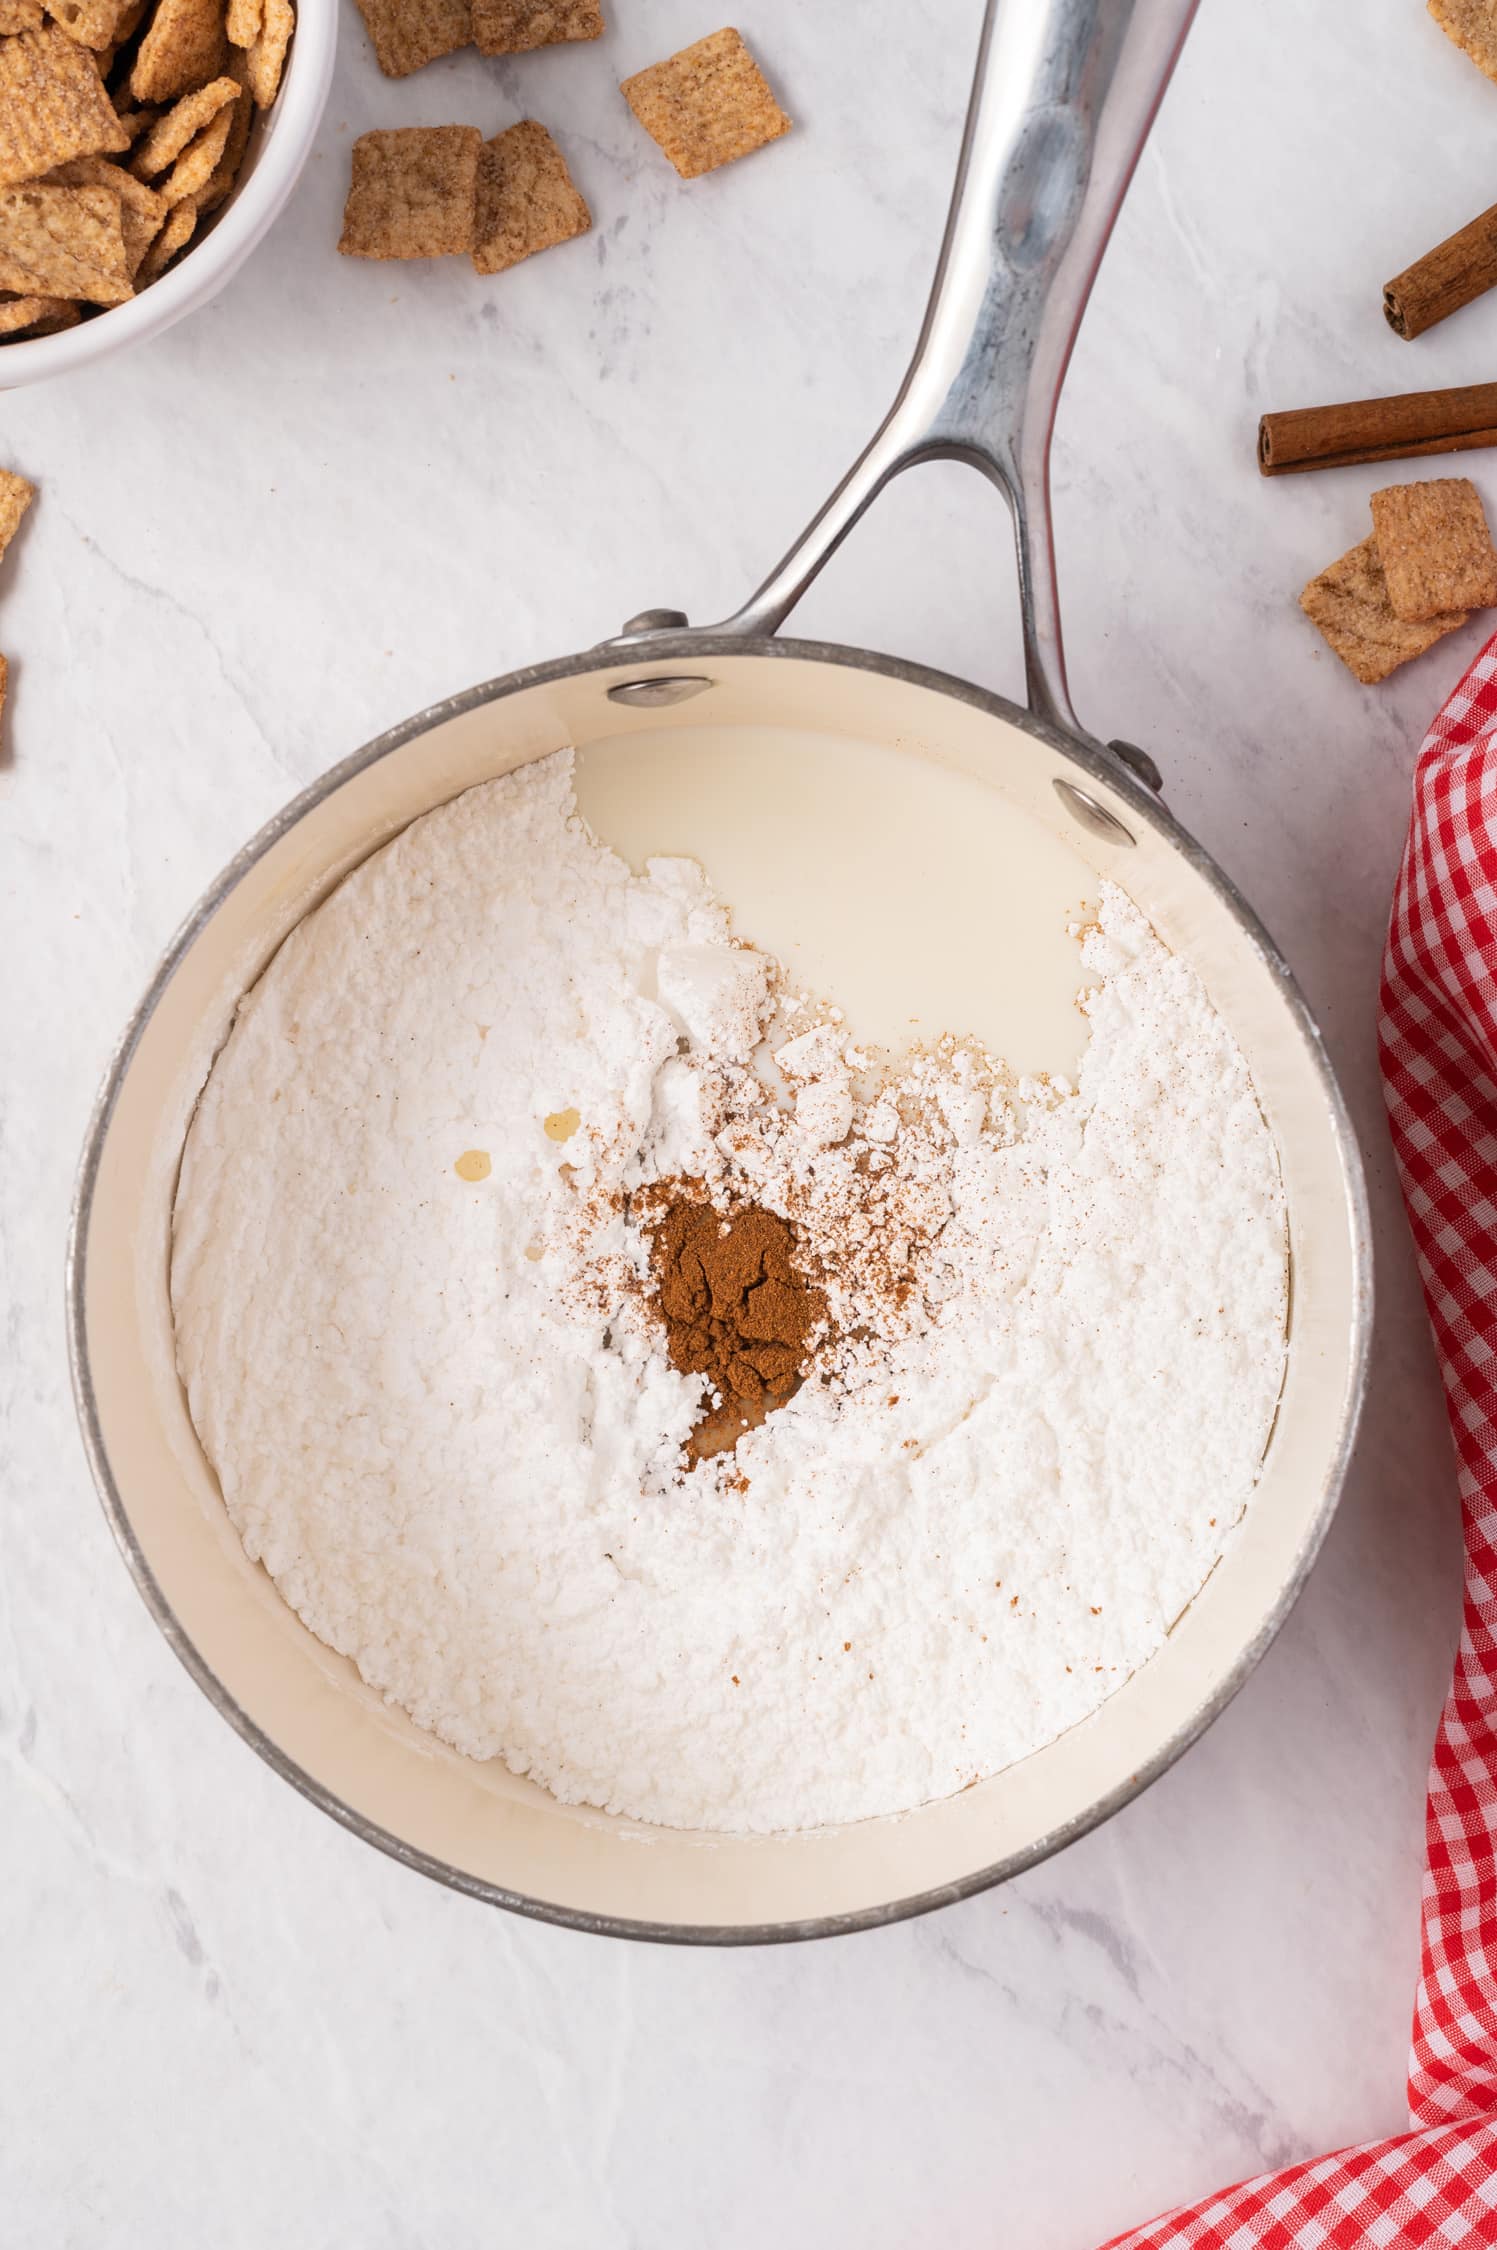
{"x": 1435, "y": 2185}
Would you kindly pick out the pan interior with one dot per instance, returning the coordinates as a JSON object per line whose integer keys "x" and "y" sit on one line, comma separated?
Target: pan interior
{"x": 832, "y": 853}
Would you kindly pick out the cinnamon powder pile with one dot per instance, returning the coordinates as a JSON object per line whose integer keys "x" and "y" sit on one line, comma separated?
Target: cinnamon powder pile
{"x": 735, "y": 1309}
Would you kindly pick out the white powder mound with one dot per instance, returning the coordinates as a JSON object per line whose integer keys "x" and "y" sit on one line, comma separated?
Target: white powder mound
{"x": 441, "y": 1408}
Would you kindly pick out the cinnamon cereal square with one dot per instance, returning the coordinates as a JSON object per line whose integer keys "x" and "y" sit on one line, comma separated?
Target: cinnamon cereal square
{"x": 52, "y": 105}
{"x": 1348, "y": 604}
{"x": 407, "y": 34}
{"x": 512, "y": 27}
{"x": 142, "y": 210}
{"x": 1435, "y": 548}
{"x": 222, "y": 184}
{"x": 195, "y": 167}
{"x": 526, "y": 200}
{"x": 265, "y": 60}
{"x": 178, "y": 231}
{"x": 63, "y": 242}
{"x": 706, "y": 106}
{"x": 170, "y": 134}
{"x": 413, "y": 193}
{"x": 185, "y": 45}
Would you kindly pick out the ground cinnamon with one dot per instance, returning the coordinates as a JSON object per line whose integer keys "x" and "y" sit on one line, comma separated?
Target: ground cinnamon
{"x": 736, "y": 1310}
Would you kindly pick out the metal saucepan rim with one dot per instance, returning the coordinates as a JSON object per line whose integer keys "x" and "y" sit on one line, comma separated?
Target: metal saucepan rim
{"x": 664, "y": 650}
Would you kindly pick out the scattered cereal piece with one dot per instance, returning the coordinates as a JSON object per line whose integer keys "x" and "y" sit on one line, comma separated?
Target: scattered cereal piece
{"x": 512, "y": 27}
{"x": 410, "y": 33}
{"x": 413, "y": 192}
{"x": 1435, "y": 548}
{"x": 174, "y": 236}
{"x": 142, "y": 210}
{"x": 52, "y": 105}
{"x": 4, "y": 680}
{"x": 526, "y": 200}
{"x": 183, "y": 48}
{"x": 63, "y": 242}
{"x": 1472, "y": 24}
{"x": 1349, "y": 605}
{"x": 267, "y": 58}
{"x": 242, "y": 23}
{"x": 20, "y": 15}
{"x": 16, "y": 496}
{"x": 170, "y": 134}
{"x": 707, "y": 105}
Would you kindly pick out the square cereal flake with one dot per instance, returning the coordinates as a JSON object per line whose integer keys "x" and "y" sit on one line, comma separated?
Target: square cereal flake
{"x": 185, "y": 45}
{"x": 181, "y": 224}
{"x": 1348, "y": 603}
{"x": 526, "y": 200}
{"x": 1435, "y": 548}
{"x": 170, "y": 134}
{"x": 407, "y": 34}
{"x": 142, "y": 210}
{"x": 195, "y": 167}
{"x": 266, "y": 59}
{"x": 513, "y": 27}
{"x": 52, "y": 105}
{"x": 706, "y": 106}
{"x": 222, "y": 184}
{"x": 413, "y": 193}
{"x": 63, "y": 242}
{"x": 1472, "y": 24}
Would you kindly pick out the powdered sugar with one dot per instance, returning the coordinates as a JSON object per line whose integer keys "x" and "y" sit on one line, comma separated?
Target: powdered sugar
{"x": 441, "y": 1409}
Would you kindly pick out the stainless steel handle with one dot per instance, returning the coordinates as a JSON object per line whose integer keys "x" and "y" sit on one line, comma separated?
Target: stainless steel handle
{"x": 1062, "y": 102}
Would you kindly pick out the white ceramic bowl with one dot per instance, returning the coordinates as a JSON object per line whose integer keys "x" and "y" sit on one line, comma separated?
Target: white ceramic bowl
{"x": 279, "y": 147}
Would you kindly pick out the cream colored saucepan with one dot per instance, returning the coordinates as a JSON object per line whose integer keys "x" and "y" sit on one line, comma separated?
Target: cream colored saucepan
{"x": 907, "y": 842}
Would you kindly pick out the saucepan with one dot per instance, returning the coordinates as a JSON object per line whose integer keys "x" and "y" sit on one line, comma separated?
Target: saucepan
{"x": 935, "y": 833}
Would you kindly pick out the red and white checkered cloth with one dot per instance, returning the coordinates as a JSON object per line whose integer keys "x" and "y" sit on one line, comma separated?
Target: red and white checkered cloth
{"x": 1436, "y": 2185}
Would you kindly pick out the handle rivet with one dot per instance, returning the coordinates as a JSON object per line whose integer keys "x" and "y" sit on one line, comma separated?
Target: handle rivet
{"x": 1091, "y": 815}
{"x": 661, "y": 688}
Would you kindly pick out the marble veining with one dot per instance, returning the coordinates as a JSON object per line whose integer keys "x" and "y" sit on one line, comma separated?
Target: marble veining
{"x": 343, "y": 490}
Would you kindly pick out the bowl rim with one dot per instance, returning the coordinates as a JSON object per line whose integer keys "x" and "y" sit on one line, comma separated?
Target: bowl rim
{"x": 288, "y": 130}
{"x": 1149, "y": 810}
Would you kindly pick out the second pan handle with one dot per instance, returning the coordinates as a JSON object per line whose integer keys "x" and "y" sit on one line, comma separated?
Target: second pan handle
{"x": 1064, "y": 95}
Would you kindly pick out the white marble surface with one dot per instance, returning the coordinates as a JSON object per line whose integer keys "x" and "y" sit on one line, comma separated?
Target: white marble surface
{"x": 343, "y": 490}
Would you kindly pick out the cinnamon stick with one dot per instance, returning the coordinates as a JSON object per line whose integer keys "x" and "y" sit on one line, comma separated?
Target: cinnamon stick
{"x": 1378, "y": 429}
{"x": 1462, "y": 267}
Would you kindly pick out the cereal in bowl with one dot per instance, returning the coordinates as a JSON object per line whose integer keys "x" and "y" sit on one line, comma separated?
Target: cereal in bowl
{"x": 123, "y": 127}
